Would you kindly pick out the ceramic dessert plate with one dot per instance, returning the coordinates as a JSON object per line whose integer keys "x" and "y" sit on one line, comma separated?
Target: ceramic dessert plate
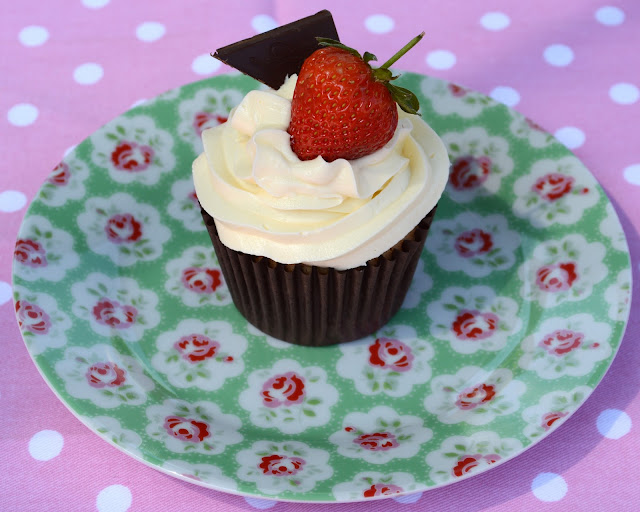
{"x": 515, "y": 313}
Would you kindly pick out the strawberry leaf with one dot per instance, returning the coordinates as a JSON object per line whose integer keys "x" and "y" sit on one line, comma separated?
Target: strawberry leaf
{"x": 405, "y": 99}
{"x": 367, "y": 57}
{"x": 325, "y": 41}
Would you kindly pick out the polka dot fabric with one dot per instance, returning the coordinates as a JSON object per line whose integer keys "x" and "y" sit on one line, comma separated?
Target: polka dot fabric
{"x": 70, "y": 67}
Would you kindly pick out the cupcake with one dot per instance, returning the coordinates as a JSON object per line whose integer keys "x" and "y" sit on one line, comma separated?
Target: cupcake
{"x": 318, "y": 198}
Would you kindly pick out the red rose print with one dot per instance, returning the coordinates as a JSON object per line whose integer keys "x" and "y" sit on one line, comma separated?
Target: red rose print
{"x": 32, "y": 318}
{"x": 377, "y": 442}
{"x": 470, "y": 172}
{"x": 204, "y": 120}
{"x": 132, "y": 157}
{"x": 123, "y": 228}
{"x": 561, "y": 342}
{"x": 552, "y": 187}
{"x": 285, "y": 389}
{"x": 557, "y": 277}
{"x": 30, "y": 253}
{"x": 60, "y": 175}
{"x": 391, "y": 355}
{"x": 102, "y": 375}
{"x": 470, "y": 463}
{"x": 474, "y": 242}
{"x": 456, "y": 90}
{"x": 473, "y": 325}
{"x": 196, "y": 347}
{"x": 471, "y": 398}
{"x": 112, "y": 313}
{"x": 186, "y": 429}
{"x": 201, "y": 280}
{"x": 281, "y": 465}
{"x": 550, "y": 418}
{"x": 382, "y": 490}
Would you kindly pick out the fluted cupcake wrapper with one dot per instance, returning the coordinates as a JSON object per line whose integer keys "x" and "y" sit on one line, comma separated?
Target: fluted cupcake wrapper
{"x": 317, "y": 306}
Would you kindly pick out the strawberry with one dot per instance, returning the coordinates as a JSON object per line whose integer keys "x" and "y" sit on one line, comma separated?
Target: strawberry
{"x": 344, "y": 108}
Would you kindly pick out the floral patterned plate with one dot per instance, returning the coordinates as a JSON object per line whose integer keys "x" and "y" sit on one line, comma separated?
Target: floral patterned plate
{"x": 514, "y": 315}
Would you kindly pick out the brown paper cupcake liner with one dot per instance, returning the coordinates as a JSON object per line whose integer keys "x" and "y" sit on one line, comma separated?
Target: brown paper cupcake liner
{"x": 318, "y": 306}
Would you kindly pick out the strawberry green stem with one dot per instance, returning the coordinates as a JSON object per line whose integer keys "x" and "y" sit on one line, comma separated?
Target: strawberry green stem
{"x": 402, "y": 51}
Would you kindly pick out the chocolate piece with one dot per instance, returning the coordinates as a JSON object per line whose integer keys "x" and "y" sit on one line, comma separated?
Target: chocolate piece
{"x": 272, "y": 56}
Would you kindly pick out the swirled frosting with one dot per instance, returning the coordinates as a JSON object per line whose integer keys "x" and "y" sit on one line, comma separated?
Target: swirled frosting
{"x": 267, "y": 202}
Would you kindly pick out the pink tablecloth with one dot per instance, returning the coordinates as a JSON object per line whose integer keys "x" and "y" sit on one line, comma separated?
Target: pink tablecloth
{"x": 69, "y": 67}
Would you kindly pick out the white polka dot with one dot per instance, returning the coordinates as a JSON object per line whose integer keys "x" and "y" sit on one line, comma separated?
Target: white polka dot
{"x": 22, "y": 114}
{"x": 5, "y": 292}
{"x": 205, "y": 64}
{"x": 46, "y": 444}
{"x": 33, "y": 35}
{"x": 441, "y": 59}
{"x": 549, "y": 487}
{"x": 150, "y": 31}
{"x": 507, "y": 95}
{"x": 379, "y": 23}
{"x": 12, "y": 201}
{"x": 558, "y": 55}
{"x": 407, "y": 499}
{"x": 632, "y": 174}
{"x": 624, "y": 93}
{"x": 610, "y": 16}
{"x": 570, "y": 136}
{"x": 260, "y": 504}
{"x": 115, "y": 498}
{"x": 263, "y": 23}
{"x": 613, "y": 423}
{"x": 87, "y": 74}
{"x": 95, "y": 4}
{"x": 69, "y": 149}
{"x": 495, "y": 21}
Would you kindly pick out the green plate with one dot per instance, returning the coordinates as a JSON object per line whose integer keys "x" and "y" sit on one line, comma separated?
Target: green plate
{"x": 514, "y": 315}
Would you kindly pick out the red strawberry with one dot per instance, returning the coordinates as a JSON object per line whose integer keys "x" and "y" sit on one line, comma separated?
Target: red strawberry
{"x": 343, "y": 108}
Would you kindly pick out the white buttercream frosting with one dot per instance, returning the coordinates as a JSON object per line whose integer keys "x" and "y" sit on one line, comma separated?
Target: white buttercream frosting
{"x": 268, "y": 202}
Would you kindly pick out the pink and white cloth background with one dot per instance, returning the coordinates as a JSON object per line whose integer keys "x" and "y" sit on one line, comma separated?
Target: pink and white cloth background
{"x": 69, "y": 67}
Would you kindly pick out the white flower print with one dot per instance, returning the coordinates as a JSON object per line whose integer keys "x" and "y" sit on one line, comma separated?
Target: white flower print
{"x": 184, "y": 205}
{"x": 111, "y": 430}
{"x": 199, "y": 354}
{"x": 207, "y": 108}
{"x": 380, "y": 435}
{"x": 420, "y": 284}
{"x": 289, "y": 397}
{"x": 206, "y": 473}
{"x": 479, "y": 162}
{"x": 133, "y": 149}
{"x": 42, "y": 251}
{"x": 473, "y": 244}
{"x": 199, "y": 427}
{"x": 555, "y": 191}
{"x": 43, "y": 325}
{"x": 104, "y": 376}
{"x": 610, "y": 227}
{"x": 115, "y": 307}
{"x": 271, "y": 341}
{"x": 524, "y": 128}
{"x": 618, "y": 296}
{"x": 390, "y": 362}
{"x": 65, "y": 183}
{"x": 197, "y": 279}
{"x": 552, "y": 410}
{"x": 473, "y": 319}
{"x": 562, "y": 270}
{"x": 373, "y": 484}
{"x": 289, "y": 466}
{"x": 474, "y": 395}
{"x": 123, "y": 229}
{"x": 461, "y": 456}
{"x": 566, "y": 346}
{"x": 447, "y": 98}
